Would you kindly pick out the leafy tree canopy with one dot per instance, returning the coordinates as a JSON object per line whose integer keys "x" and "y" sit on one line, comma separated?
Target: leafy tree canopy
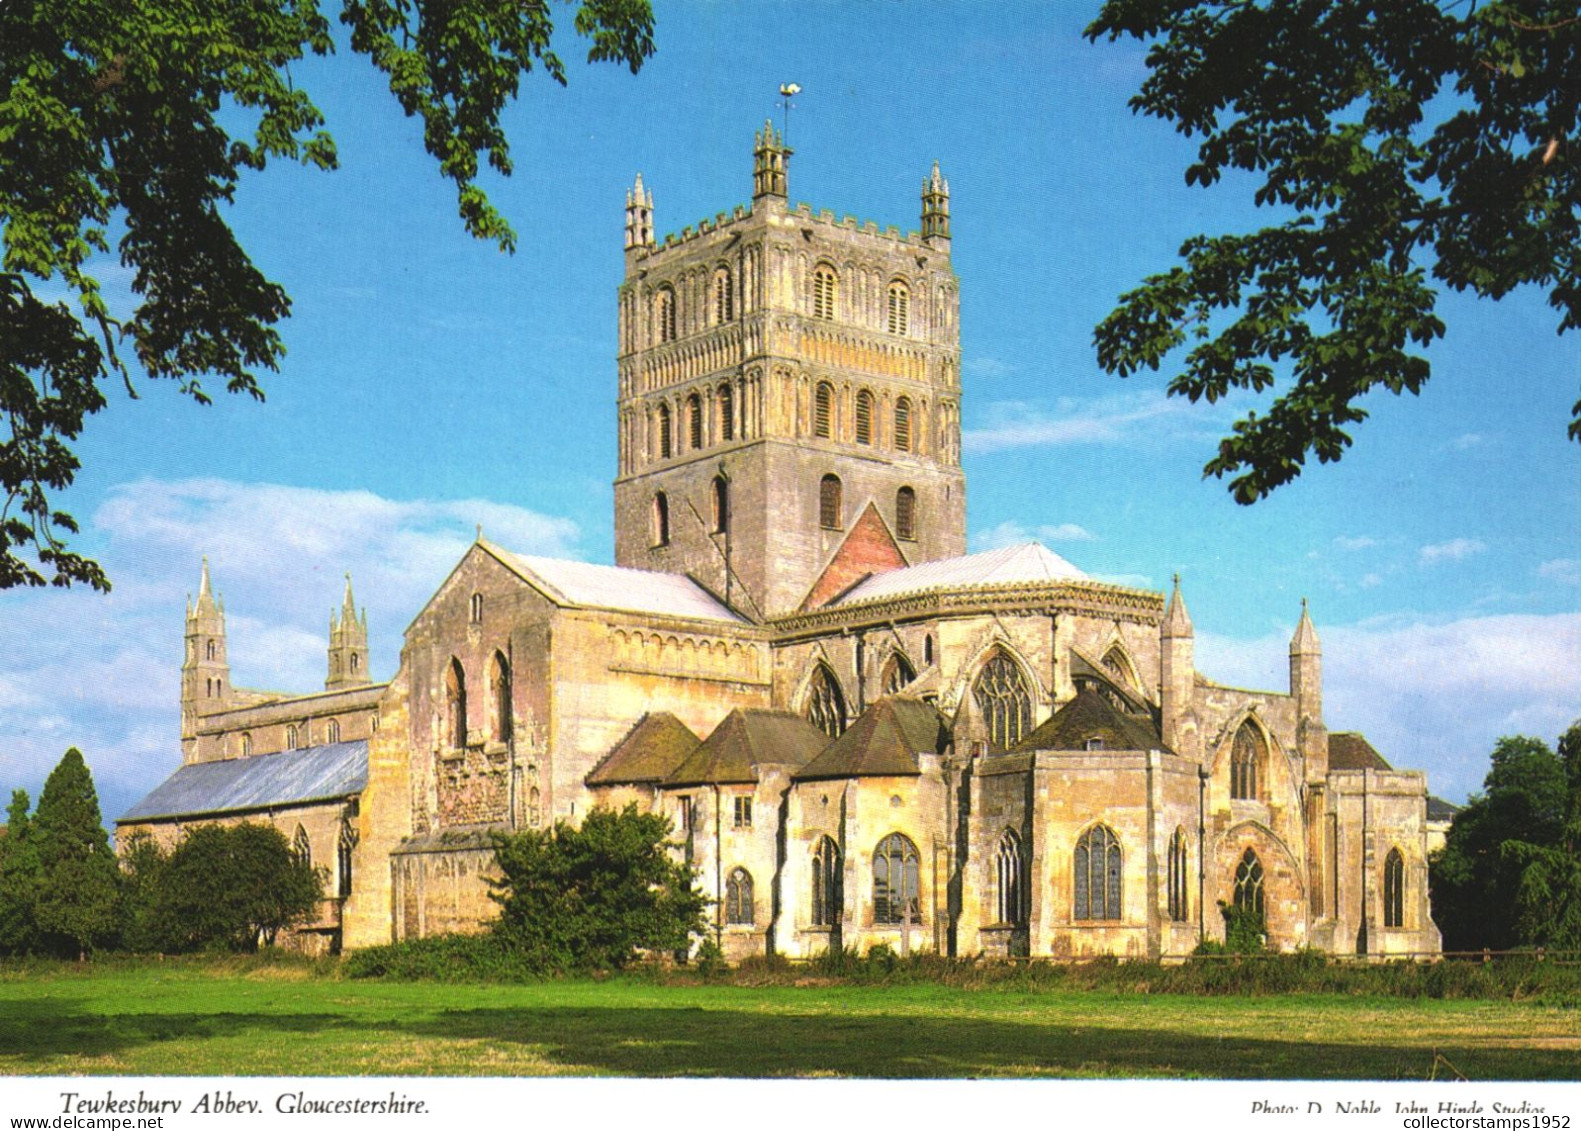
{"x": 113, "y": 127}
{"x": 230, "y": 886}
{"x": 590, "y": 897}
{"x": 78, "y": 905}
{"x": 1406, "y": 145}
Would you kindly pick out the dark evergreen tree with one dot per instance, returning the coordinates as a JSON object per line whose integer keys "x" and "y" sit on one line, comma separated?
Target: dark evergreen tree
{"x": 78, "y": 906}
{"x": 20, "y": 879}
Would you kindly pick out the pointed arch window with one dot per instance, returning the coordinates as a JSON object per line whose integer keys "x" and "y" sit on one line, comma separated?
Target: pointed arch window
{"x": 534, "y": 807}
{"x": 1098, "y": 872}
{"x": 247, "y": 744}
{"x": 356, "y": 663}
{"x": 721, "y": 496}
{"x": 864, "y": 417}
{"x": 829, "y": 502}
{"x": 664, "y": 432}
{"x": 332, "y": 733}
{"x": 896, "y": 881}
{"x": 905, "y": 513}
{"x": 301, "y": 848}
{"x": 694, "y": 421}
{"x": 825, "y": 285}
{"x": 1249, "y": 884}
{"x": 898, "y": 672}
{"x": 1004, "y": 699}
{"x": 826, "y": 872}
{"x": 213, "y": 649}
{"x": 1394, "y": 889}
{"x": 724, "y": 296}
{"x": 825, "y": 702}
{"x": 823, "y": 411}
{"x": 1179, "y": 904}
{"x": 739, "y": 907}
{"x": 455, "y": 705}
{"x": 726, "y": 399}
{"x": 903, "y": 424}
{"x": 664, "y": 314}
{"x": 1246, "y": 759}
{"x": 290, "y": 738}
{"x": 343, "y": 851}
{"x": 475, "y": 609}
{"x": 661, "y": 519}
{"x": 500, "y": 685}
{"x": 1007, "y": 867}
{"x": 899, "y": 307}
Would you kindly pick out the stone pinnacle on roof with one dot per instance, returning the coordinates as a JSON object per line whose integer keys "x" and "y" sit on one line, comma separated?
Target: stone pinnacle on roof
{"x": 1305, "y": 641}
{"x": 1177, "y": 622}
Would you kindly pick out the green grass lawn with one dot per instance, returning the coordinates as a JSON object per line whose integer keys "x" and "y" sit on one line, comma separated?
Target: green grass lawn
{"x": 192, "y": 1019}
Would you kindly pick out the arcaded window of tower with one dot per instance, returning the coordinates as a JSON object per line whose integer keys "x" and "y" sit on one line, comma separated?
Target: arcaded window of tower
{"x": 1249, "y": 884}
{"x": 664, "y": 431}
{"x": 739, "y": 908}
{"x": 1246, "y": 759}
{"x": 899, "y": 307}
{"x": 1098, "y": 871}
{"x": 903, "y": 424}
{"x": 694, "y": 421}
{"x": 825, "y": 703}
{"x": 721, "y": 505}
{"x": 896, "y": 876}
{"x": 455, "y": 705}
{"x": 500, "y": 685}
{"x": 825, "y": 283}
{"x": 905, "y": 513}
{"x": 823, "y": 411}
{"x": 1007, "y": 868}
{"x": 829, "y": 502}
{"x": 826, "y": 872}
{"x": 1004, "y": 700}
{"x": 661, "y": 520}
{"x": 724, "y": 300}
{"x": 864, "y": 417}
{"x": 1179, "y": 904}
{"x": 664, "y": 314}
{"x": 1394, "y": 889}
{"x": 726, "y": 400}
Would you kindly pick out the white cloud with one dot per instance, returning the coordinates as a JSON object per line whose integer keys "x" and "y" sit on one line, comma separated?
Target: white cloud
{"x": 987, "y": 367}
{"x": 1430, "y": 696}
{"x": 1467, "y": 440}
{"x": 1012, "y": 533}
{"x": 1353, "y": 544}
{"x": 1369, "y": 581}
{"x": 1566, "y": 571}
{"x": 1104, "y": 420}
{"x": 1456, "y": 549}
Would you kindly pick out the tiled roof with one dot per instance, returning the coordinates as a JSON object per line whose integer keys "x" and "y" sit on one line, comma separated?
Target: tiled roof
{"x": 1011, "y": 565}
{"x": 1090, "y": 716}
{"x": 615, "y": 587}
{"x": 292, "y": 777}
{"x": 1348, "y": 750}
{"x": 883, "y": 742}
{"x": 651, "y": 751}
{"x": 746, "y": 739}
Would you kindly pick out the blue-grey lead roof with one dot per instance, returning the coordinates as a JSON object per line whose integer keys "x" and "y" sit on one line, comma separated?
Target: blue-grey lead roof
{"x": 293, "y": 777}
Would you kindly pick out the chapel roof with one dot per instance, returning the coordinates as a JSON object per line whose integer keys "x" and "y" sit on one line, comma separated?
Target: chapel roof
{"x": 1440, "y": 810}
{"x": 616, "y": 587}
{"x": 291, "y": 777}
{"x": 1027, "y": 563}
{"x": 651, "y": 751}
{"x": 1348, "y": 750}
{"x": 1091, "y": 717}
{"x": 746, "y": 739}
{"x": 883, "y": 742}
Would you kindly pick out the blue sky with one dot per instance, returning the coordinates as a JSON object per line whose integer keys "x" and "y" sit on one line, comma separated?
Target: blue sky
{"x": 433, "y": 383}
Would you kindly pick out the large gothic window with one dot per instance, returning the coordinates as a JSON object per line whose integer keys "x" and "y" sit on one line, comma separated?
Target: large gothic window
{"x": 905, "y": 513}
{"x": 301, "y": 848}
{"x": 903, "y": 424}
{"x": 726, "y": 400}
{"x": 896, "y": 871}
{"x": 455, "y": 705}
{"x": 694, "y": 421}
{"x": 864, "y": 417}
{"x": 899, "y": 307}
{"x": 1007, "y": 867}
{"x": 898, "y": 672}
{"x": 1246, "y": 758}
{"x": 1004, "y": 700}
{"x": 826, "y": 703}
{"x": 1394, "y": 889}
{"x": 1097, "y": 868}
{"x": 739, "y": 908}
{"x": 829, "y": 502}
{"x": 724, "y": 298}
{"x": 1249, "y": 884}
{"x": 826, "y": 901}
{"x": 823, "y": 411}
{"x": 664, "y": 314}
{"x": 1179, "y": 904}
{"x": 664, "y": 432}
{"x": 824, "y": 285}
{"x": 500, "y": 681}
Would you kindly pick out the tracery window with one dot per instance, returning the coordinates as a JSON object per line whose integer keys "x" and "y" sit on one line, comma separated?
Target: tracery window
{"x": 825, "y": 702}
{"x": 726, "y": 400}
{"x": 1116, "y": 664}
{"x": 664, "y": 431}
{"x": 896, "y": 881}
{"x": 455, "y": 705}
{"x": 898, "y": 672}
{"x": 661, "y": 519}
{"x": 829, "y": 502}
{"x": 500, "y": 684}
{"x": 739, "y": 907}
{"x": 1394, "y": 889}
{"x": 1098, "y": 873}
{"x": 343, "y": 848}
{"x": 724, "y": 298}
{"x": 826, "y": 901}
{"x": 899, "y": 307}
{"x": 1249, "y": 884}
{"x": 301, "y": 848}
{"x": 1007, "y": 867}
{"x": 823, "y": 411}
{"x": 1004, "y": 700}
{"x": 694, "y": 421}
{"x": 1246, "y": 758}
{"x": 903, "y": 424}
{"x": 864, "y": 417}
{"x": 664, "y": 314}
{"x": 905, "y": 513}
{"x": 824, "y": 285}
{"x": 721, "y": 495}
{"x": 1179, "y": 904}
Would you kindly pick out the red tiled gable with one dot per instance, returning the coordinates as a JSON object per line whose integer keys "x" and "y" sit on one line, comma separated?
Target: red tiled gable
{"x": 868, "y": 549}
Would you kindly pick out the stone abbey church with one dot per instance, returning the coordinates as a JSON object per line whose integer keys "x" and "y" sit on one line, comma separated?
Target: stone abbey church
{"x": 861, "y": 733}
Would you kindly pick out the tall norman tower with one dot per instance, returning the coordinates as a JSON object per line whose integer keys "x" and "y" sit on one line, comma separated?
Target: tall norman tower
{"x": 786, "y": 377}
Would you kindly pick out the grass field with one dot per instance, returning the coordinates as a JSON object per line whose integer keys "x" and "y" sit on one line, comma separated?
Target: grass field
{"x": 196, "y": 1019}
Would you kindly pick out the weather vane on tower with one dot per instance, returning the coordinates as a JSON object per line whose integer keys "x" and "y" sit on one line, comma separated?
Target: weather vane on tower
{"x": 788, "y": 90}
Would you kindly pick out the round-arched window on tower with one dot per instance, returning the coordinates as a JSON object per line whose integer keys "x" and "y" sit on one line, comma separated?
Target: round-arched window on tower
{"x": 829, "y": 516}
